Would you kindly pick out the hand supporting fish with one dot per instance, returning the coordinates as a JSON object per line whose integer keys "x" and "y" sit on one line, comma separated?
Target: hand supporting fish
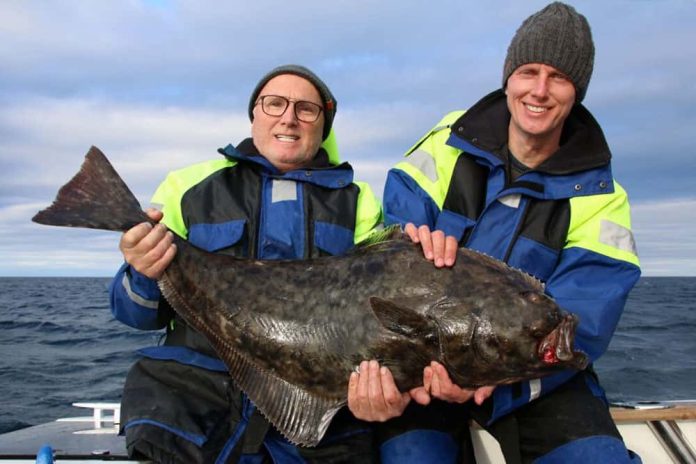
{"x": 292, "y": 348}
{"x": 149, "y": 248}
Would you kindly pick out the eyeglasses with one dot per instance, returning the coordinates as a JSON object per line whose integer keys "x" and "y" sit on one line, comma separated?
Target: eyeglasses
{"x": 275, "y": 105}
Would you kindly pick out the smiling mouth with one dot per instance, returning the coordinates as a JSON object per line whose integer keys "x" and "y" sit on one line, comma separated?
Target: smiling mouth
{"x": 286, "y": 138}
{"x": 535, "y": 109}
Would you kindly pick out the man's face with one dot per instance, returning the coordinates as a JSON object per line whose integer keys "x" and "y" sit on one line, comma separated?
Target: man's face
{"x": 285, "y": 141}
{"x": 539, "y": 98}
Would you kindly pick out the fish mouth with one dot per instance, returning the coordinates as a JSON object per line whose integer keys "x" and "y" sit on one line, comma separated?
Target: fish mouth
{"x": 557, "y": 346}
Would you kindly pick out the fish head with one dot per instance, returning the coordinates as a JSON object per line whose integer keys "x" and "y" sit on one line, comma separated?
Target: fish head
{"x": 528, "y": 338}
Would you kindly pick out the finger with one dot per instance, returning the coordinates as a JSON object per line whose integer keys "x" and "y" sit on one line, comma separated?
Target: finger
{"x": 353, "y": 403}
{"x": 138, "y": 245}
{"x": 449, "y": 391}
{"x": 483, "y": 393}
{"x": 435, "y": 387}
{"x": 353, "y": 384}
{"x": 160, "y": 244}
{"x": 154, "y": 214}
{"x": 451, "y": 247}
{"x": 157, "y": 269}
{"x": 427, "y": 378}
{"x": 426, "y": 241}
{"x": 375, "y": 394}
{"x": 363, "y": 382}
{"x": 134, "y": 235}
{"x": 412, "y": 232}
{"x": 420, "y": 396}
{"x": 395, "y": 400}
{"x": 439, "y": 370}
{"x": 438, "y": 240}
{"x": 156, "y": 235}
{"x": 446, "y": 390}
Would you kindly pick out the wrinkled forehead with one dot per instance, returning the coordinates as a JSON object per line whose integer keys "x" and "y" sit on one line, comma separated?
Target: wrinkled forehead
{"x": 292, "y": 86}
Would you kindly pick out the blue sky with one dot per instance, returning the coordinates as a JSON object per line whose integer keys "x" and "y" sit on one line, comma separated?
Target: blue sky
{"x": 161, "y": 84}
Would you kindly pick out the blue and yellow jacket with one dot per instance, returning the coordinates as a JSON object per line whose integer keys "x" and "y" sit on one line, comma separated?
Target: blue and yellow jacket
{"x": 241, "y": 205}
{"x": 566, "y": 222}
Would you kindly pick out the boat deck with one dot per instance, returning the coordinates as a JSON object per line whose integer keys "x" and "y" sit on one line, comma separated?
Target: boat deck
{"x": 75, "y": 439}
{"x": 660, "y": 432}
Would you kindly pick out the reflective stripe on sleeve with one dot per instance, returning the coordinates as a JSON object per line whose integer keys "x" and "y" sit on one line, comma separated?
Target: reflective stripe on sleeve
{"x": 135, "y": 297}
{"x": 534, "y": 389}
{"x": 617, "y": 236}
{"x": 425, "y": 163}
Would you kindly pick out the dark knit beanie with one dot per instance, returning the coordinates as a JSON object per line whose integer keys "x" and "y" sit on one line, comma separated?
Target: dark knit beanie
{"x": 557, "y": 36}
{"x": 326, "y": 96}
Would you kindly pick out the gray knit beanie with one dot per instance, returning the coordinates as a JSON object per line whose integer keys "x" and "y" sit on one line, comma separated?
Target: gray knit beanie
{"x": 326, "y": 96}
{"x": 557, "y": 36}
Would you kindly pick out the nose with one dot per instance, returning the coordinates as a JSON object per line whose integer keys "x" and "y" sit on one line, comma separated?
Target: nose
{"x": 541, "y": 86}
{"x": 289, "y": 117}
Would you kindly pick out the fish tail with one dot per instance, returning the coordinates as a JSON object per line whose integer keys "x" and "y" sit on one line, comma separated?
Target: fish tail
{"x": 95, "y": 198}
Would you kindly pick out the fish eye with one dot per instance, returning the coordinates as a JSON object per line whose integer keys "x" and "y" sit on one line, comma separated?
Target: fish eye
{"x": 541, "y": 327}
{"x": 532, "y": 297}
{"x": 505, "y": 345}
{"x": 537, "y": 332}
{"x": 495, "y": 347}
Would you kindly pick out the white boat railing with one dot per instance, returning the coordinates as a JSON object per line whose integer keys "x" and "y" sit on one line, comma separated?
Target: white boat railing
{"x": 101, "y": 421}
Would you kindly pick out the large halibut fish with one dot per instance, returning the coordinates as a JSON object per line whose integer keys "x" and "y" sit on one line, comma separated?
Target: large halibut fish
{"x": 291, "y": 331}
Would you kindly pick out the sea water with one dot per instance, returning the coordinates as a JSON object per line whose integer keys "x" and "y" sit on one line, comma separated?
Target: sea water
{"x": 60, "y": 344}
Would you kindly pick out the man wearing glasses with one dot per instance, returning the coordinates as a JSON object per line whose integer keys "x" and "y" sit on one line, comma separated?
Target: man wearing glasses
{"x": 281, "y": 194}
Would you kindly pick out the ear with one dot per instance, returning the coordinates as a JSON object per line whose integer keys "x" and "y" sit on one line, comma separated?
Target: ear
{"x": 401, "y": 320}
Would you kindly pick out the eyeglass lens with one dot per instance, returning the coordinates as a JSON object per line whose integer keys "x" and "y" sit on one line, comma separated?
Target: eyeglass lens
{"x": 275, "y": 105}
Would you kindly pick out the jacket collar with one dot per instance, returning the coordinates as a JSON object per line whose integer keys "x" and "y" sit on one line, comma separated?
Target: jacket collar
{"x": 583, "y": 145}
{"x": 321, "y": 172}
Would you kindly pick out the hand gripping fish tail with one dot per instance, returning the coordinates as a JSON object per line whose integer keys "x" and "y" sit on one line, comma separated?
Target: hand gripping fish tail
{"x": 292, "y": 348}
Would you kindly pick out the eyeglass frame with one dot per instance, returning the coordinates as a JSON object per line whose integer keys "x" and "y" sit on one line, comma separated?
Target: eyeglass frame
{"x": 287, "y": 104}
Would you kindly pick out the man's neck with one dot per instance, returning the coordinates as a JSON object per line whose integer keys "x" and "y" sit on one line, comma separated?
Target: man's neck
{"x": 532, "y": 151}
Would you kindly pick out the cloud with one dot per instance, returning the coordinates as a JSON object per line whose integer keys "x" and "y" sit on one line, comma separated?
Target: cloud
{"x": 161, "y": 84}
{"x": 46, "y": 139}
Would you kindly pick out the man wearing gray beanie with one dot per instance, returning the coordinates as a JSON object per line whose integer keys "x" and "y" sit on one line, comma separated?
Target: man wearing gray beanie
{"x": 280, "y": 194}
{"x": 525, "y": 176}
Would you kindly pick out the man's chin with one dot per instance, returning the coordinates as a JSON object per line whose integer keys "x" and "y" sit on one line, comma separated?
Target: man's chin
{"x": 289, "y": 162}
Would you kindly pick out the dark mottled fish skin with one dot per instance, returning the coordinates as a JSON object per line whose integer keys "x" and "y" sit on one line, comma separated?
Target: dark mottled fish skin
{"x": 117, "y": 208}
{"x": 291, "y": 331}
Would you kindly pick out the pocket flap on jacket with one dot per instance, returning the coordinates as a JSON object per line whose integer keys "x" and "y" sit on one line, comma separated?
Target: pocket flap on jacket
{"x": 331, "y": 238}
{"x": 213, "y": 237}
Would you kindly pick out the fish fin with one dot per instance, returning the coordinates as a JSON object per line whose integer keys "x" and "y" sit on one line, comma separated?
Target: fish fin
{"x": 95, "y": 198}
{"x": 505, "y": 268}
{"x": 302, "y": 417}
{"x": 537, "y": 284}
{"x": 398, "y": 319}
{"x": 386, "y": 234}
